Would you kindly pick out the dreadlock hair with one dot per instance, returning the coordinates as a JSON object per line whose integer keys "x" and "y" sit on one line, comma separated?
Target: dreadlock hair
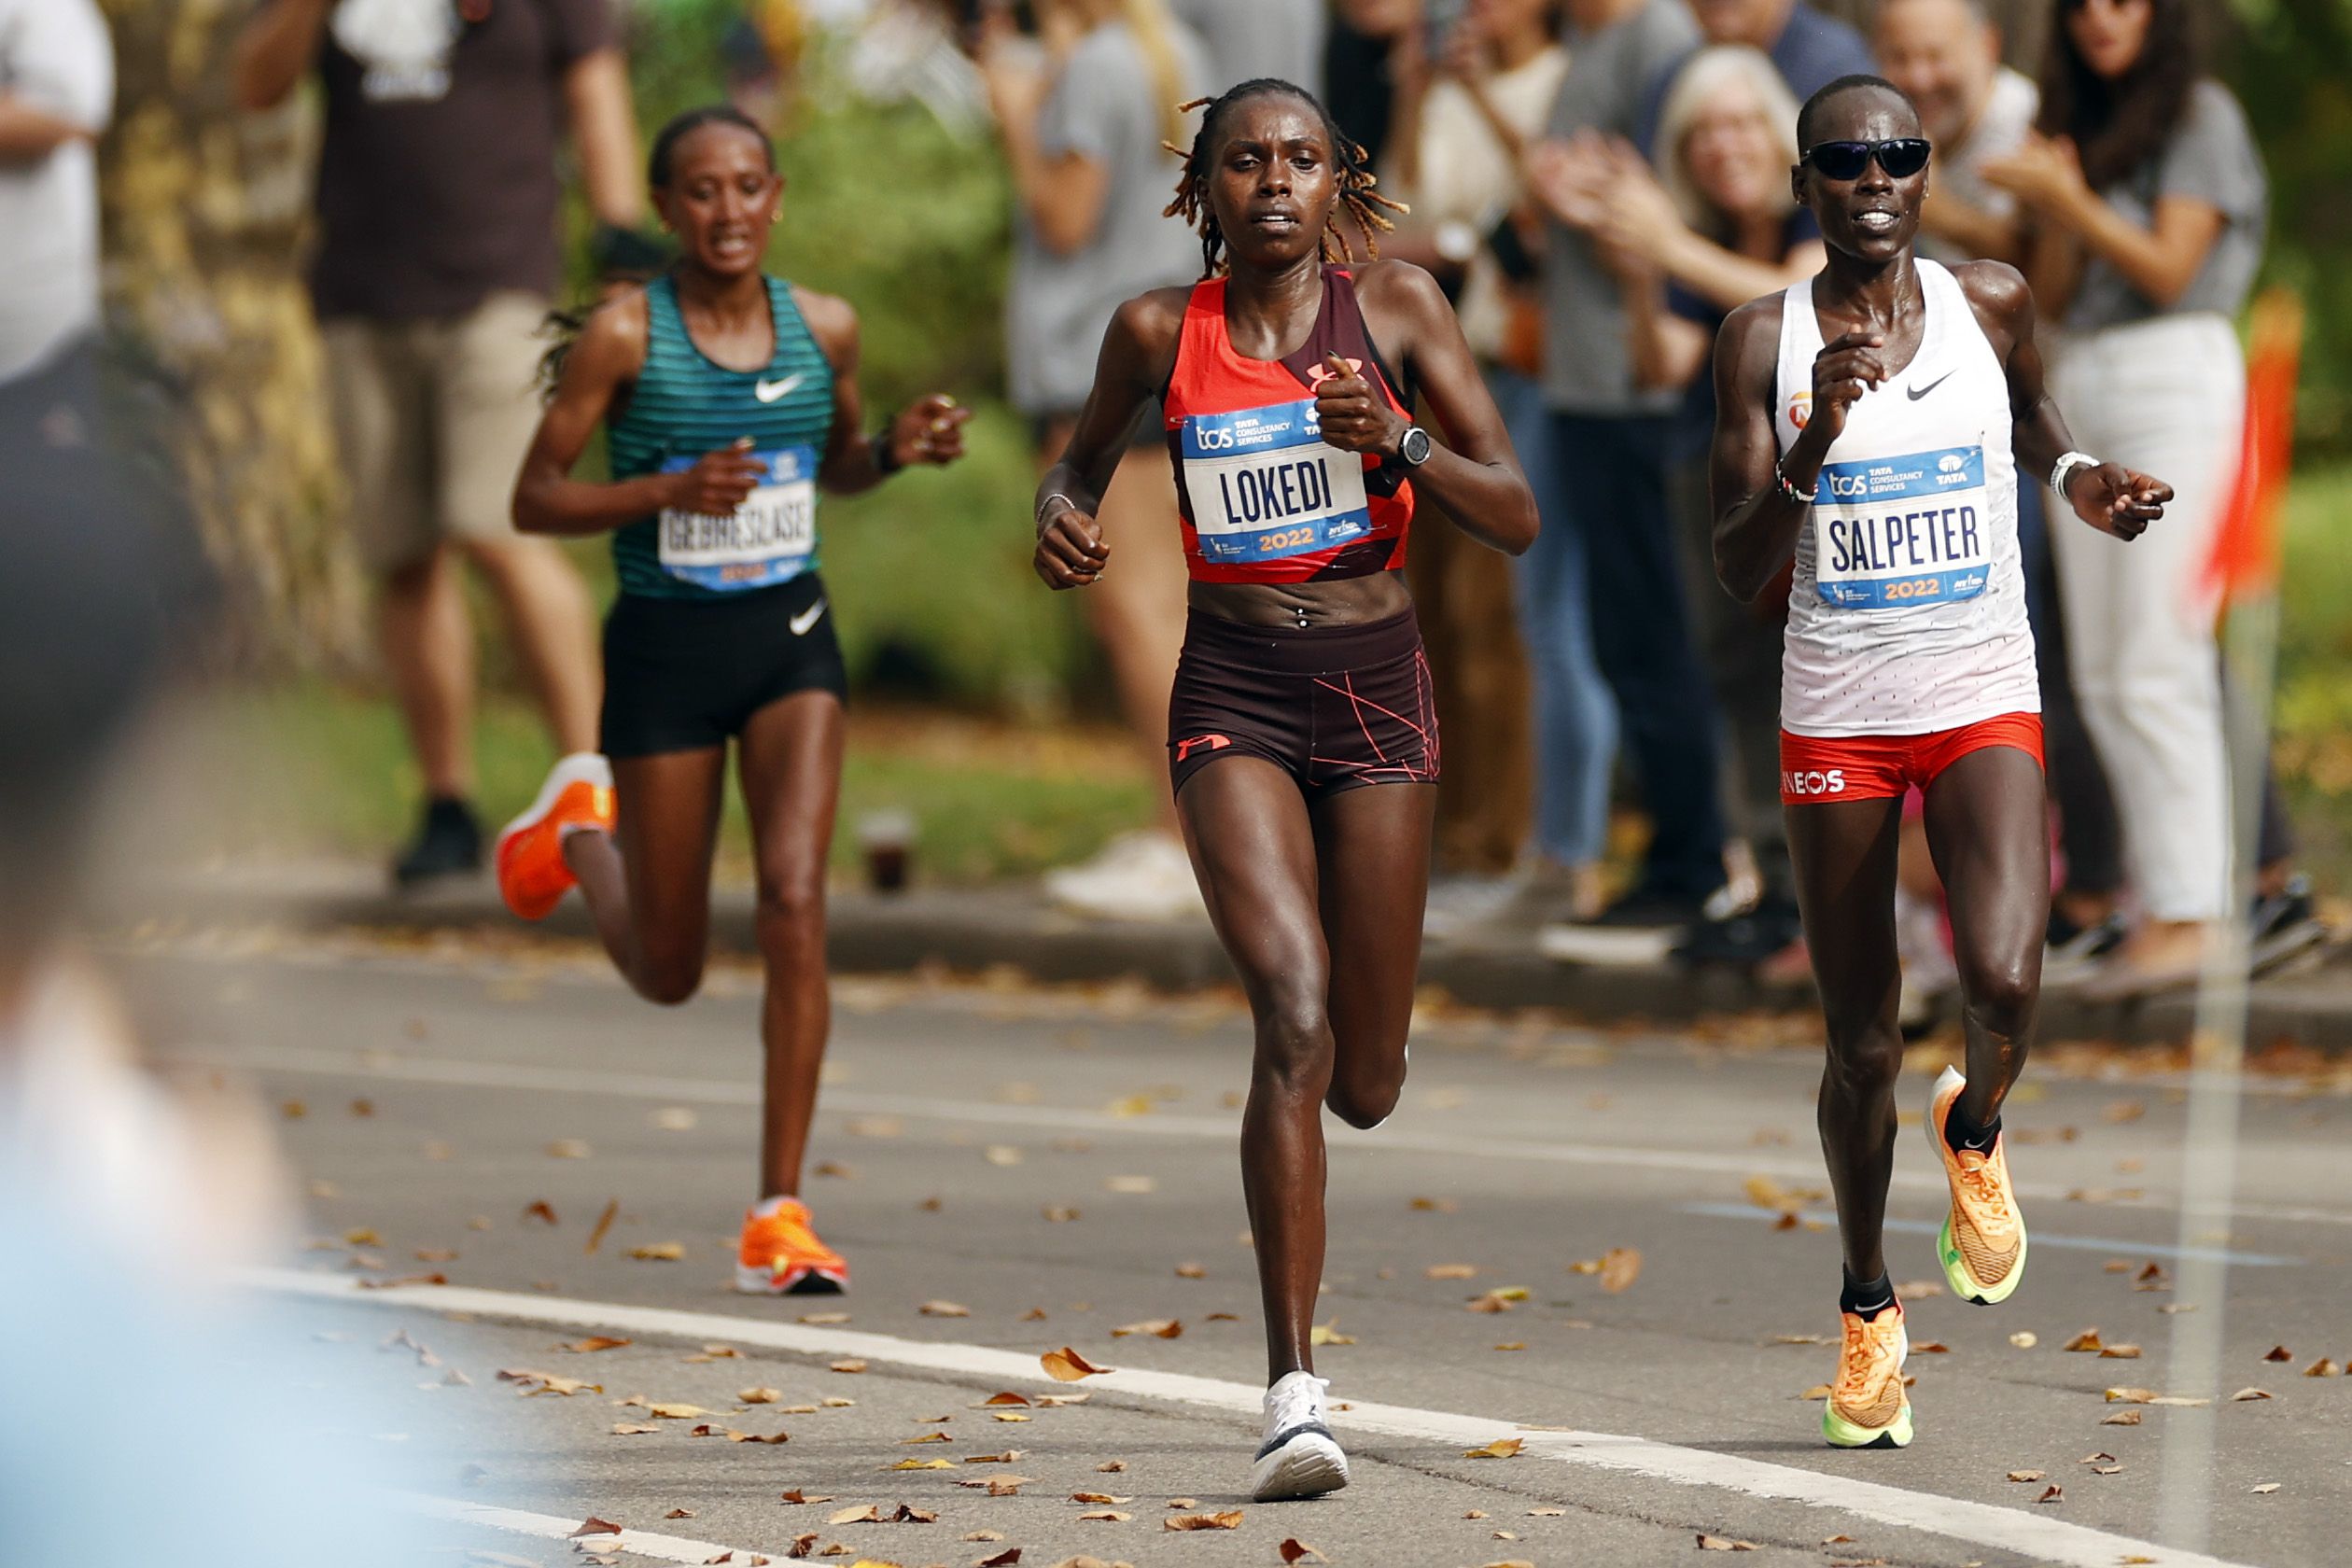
{"x": 1351, "y": 164}
{"x": 562, "y": 328}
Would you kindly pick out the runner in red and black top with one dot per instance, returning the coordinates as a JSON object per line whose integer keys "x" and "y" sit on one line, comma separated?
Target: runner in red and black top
{"x": 1286, "y": 377}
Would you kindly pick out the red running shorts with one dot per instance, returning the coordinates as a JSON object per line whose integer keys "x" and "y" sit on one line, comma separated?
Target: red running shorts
{"x": 1819, "y": 769}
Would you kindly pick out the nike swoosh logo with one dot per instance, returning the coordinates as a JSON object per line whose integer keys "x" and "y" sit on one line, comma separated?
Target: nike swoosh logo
{"x": 768, "y": 391}
{"x": 1915, "y": 393}
{"x": 808, "y": 618}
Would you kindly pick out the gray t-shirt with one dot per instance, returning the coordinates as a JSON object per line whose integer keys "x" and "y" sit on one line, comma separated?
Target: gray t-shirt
{"x": 1104, "y": 105}
{"x": 1247, "y": 39}
{"x": 2211, "y": 158}
{"x": 54, "y": 57}
{"x": 2000, "y": 130}
{"x": 1586, "y": 370}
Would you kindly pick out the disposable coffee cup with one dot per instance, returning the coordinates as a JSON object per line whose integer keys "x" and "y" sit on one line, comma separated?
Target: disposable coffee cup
{"x": 888, "y": 839}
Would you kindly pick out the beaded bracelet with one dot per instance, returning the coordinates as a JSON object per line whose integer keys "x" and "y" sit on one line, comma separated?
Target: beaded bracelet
{"x": 1789, "y": 491}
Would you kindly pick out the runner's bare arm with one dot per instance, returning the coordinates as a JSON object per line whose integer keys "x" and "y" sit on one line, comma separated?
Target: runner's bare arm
{"x": 1473, "y": 475}
{"x": 2108, "y": 496}
{"x": 1139, "y": 353}
{"x": 274, "y": 51}
{"x": 601, "y": 365}
{"x": 930, "y": 429}
{"x": 1755, "y": 525}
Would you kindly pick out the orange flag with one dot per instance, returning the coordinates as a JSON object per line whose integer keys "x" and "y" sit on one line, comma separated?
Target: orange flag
{"x": 2246, "y": 549}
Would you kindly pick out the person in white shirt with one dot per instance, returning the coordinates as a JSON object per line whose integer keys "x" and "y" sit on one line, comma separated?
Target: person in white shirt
{"x": 56, "y": 94}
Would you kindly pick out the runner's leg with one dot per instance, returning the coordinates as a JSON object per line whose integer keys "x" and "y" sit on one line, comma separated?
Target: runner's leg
{"x": 791, "y": 767}
{"x": 1987, "y": 824}
{"x": 1372, "y": 847}
{"x": 1846, "y": 857}
{"x": 648, "y": 882}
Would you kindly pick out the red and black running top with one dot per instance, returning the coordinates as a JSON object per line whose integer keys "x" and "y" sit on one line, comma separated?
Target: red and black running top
{"x": 1264, "y": 499}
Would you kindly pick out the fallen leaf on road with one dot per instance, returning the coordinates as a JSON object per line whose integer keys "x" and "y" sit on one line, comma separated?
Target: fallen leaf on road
{"x": 2264, "y": 1490}
{"x": 2025, "y": 1340}
{"x": 1097, "y": 1497}
{"x": 928, "y": 1437}
{"x": 821, "y": 1319}
{"x": 1066, "y": 1366}
{"x": 2123, "y": 1111}
{"x": 1786, "y": 1220}
{"x": 1512, "y": 1345}
{"x": 546, "y": 1382}
{"x": 1105, "y": 1515}
{"x": 670, "y": 1409}
{"x": 1931, "y": 1347}
{"x": 2087, "y": 1340}
{"x": 1002, "y": 1154}
{"x": 1035, "y": 1314}
{"x": 1819, "y": 1390}
{"x": 435, "y": 1254}
{"x": 1800, "y": 1339}
{"x": 851, "y": 1366}
{"x": 1006, "y": 1398}
{"x": 567, "y": 1148}
{"x": 1058, "y": 1213}
{"x": 798, "y": 1496}
{"x": 1004, "y": 1559}
{"x": 632, "y": 1429}
{"x": 1328, "y": 1333}
{"x": 1451, "y": 1270}
{"x": 1717, "y": 1542}
{"x": 1133, "y": 1186}
{"x": 2025, "y": 1475}
{"x": 923, "y": 1464}
{"x": 1191, "y": 1271}
{"x": 802, "y": 1546}
{"x": 2120, "y": 1352}
{"x": 593, "y": 1343}
{"x": 1009, "y": 1416}
{"x": 719, "y": 1352}
{"x": 1619, "y": 1267}
{"x": 2278, "y": 1352}
{"x": 680, "y": 1513}
{"x": 1295, "y": 1550}
{"x": 944, "y": 1310}
{"x": 908, "y": 1513}
{"x": 1230, "y": 1519}
{"x": 1133, "y": 1105}
{"x": 833, "y": 1168}
{"x": 673, "y": 1118}
{"x": 1502, "y": 1448}
{"x": 2053, "y": 1495}
{"x": 1054, "y": 1401}
{"x": 867, "y": 1515}
{"x": 2245, "y": 1393}
{"x": 592, "y": 1525}
{"x": 758, "y": 1396}
{"x": 659, "y": 1251}
{"x": 2131, "y": 1396}
{"x": 2323, "y": 1368}
{"x": 539, "y": 1211}
{"x": 1434, "y": 1205}
{"x": 2122, "y": 1418}
{"x": 1158, "y": 1328}
{"x": 604, "y": 1224}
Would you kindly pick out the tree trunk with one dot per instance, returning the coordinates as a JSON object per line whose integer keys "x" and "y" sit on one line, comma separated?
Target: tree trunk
{"x": 204, "y": 212}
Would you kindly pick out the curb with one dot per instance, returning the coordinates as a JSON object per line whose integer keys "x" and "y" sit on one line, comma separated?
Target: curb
{"x": 2309, "y": 1005}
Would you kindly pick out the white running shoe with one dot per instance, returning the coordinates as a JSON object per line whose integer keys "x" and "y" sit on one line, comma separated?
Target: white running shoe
{"x": 1137, "y": 877}
{"x": 1299, "y": 1457}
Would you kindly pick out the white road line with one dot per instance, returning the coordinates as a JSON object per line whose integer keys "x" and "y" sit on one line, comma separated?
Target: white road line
{"x": 2037, "y": 1536}
{"x": 481, "y": 1074}
{"x": 547, "y": 1527}
{"x": 2040, "y": 1238}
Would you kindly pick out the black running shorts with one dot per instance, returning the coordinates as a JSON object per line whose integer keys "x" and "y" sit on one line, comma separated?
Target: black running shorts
{"x": 681, "y": 675}
{"x": 1334, "y": 706}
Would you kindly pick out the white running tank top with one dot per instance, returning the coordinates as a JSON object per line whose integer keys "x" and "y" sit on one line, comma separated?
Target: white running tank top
{"x": 1908, "y": 611}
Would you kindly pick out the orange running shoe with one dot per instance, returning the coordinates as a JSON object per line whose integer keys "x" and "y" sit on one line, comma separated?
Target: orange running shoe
{"x": 1983, "y": 1244}
{"x": 1867, "y": 1407}
{"x": 532, "y": 875}
{"x": 781, "y": 1255}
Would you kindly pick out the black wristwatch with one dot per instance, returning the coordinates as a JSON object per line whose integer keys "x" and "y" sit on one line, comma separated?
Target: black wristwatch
{"x": 1412, "y": 450}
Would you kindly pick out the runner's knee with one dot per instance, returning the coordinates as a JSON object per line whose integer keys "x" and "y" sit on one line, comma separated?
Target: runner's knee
{"x": 668, "y": 980}
{"x": 792, "y": 900}
{"x": 1866, "y": 1065}
{"x": 1364, "y": 1099}
{"x": 2001, "y": 993}
{"x": 1293, "y": 1030}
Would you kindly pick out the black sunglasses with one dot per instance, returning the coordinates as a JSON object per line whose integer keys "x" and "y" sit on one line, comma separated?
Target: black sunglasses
{"x": 1901, "y": 158}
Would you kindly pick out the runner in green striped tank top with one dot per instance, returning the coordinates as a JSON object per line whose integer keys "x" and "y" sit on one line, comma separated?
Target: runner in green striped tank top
{"x": 729, "y": 398}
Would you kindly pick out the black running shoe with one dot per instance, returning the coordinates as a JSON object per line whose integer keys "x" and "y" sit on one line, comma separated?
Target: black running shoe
{"x": 1748, "y": 939}
{"x": 448, "y": 843}
{"x": 2283, "y": 924}
{"x": 2072, "y": 952}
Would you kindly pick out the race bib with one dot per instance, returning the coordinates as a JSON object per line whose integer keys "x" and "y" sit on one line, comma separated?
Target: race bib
{"x": 767, "y": 539}
{"x": 1263, "y": 484}
{"x": 1895, "y": 533}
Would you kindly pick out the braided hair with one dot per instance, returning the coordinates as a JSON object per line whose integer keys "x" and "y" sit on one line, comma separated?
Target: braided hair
{"x": 1351, "y": 166}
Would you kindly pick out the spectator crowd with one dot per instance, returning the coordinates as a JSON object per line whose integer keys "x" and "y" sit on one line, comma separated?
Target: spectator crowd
{"x": 1596, "y": 183}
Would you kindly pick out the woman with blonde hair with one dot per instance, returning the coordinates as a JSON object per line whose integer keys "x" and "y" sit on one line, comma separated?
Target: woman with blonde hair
{"x": 1716, "y": 226}
{"x": 1085, "y": 118}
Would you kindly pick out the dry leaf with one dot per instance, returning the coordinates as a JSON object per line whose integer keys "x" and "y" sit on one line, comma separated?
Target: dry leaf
{"x": 1717, "y": 1542}
{"x": 944, "y": 1310}
{"x": 673, "y": 1118}
{"x": 1512, "y": 1345}
{"x": 922, "y": 1464}
{"x": 2245, "y": 1393}
{"x": 1619, "y": 1267}
{"x": 1230, "y": 1519}
{"x": 1002, "y": 1154}
{"x": 2087, "y": 1340}
{"x": 1502, "y": 1448}
{"x": 1434, "y": 1205}
{"x": 1105, "y": 1515}
{"x": 2025, "y": 1340}
{"x": 1918, "y": 1290}
{"x": 1007, "y": 1398}
{"x": 2026, "y": 1475}
{"x": 1058, "y": 1213}
{"x": 2119, "y": 1352}
{"x": 1295, "y": 1550}
{"x": 1009, "y": 1416}
{"x": 1159, "y": 1328}
{"x": 672, "y": 1410}
{"x": 758, "y": 1396}
{"x": 1328, "y": 1333}
{"x": 1819, "y": 1390}
{"x": 604, "y": 1224}
{"x": 1451, "y": 1270}
{"x": 1066, "y": 1366}
{"x": 851, "y": 1365}
{"x": 1930, "y": 1347}
{"x": 1111, "y": 1466}
{"x": 435, "y": 1254}
{"x": 659, "y": 1251}
{"x": 546, "y": 1382}
{"x": 867, "y": 1515}
{"x": 2053, "y": 1495}
{"x": 1191, "y": 1271}
{"x": 833, "y": 1167}
{"x": 927, "y": 1437}
{"x": 567, "y": 1148}
{"x": 2323, "y": 1368}
{"x": 2278, "y": 1352}
{"x": 2264, "y": 1490}
{"x": 2122, "y": 1418}
{"x": 1134, "y": 1185}
{"x": 593, "y": 1343}
{"x": 1097, "y": 1497}
{"x": 680, "y": 1513}
{"x": 906, "y": 1513}
{"x": 2131, "y": 1396}
{"x": 1004, "y": 1559}
{"x": 632, "y": 1429}
{"x": 1007, "y": 1457}
{"x": 592, "y": 1525}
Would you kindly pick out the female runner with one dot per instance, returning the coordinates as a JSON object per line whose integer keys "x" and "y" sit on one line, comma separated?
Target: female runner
{"x": 729, "y": 398}
{"x": 1286, "y": 375}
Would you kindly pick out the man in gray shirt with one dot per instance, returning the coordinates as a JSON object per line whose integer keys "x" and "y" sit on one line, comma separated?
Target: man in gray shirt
{"x": 1611, "y": 449}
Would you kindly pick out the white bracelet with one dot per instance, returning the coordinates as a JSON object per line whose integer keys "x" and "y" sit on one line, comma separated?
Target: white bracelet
{"x": 2064, "y": 471}
{"x": 1040, "y": 519}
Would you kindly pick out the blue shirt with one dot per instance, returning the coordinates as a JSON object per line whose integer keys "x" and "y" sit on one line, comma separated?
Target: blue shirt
{"x": 1812, "y": 51}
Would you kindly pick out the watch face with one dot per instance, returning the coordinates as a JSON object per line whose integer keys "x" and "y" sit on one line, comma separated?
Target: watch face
{"x": 1414, "y": 449}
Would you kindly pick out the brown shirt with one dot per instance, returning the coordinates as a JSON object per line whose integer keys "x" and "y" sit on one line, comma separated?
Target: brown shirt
{"x": 437, "y": 182}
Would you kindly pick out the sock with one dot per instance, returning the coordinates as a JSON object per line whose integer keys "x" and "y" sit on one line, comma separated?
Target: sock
{"x": 1866, "y": 1299}
{"x": 1962, "y": 1133}
{"x": 768, "y": 1206}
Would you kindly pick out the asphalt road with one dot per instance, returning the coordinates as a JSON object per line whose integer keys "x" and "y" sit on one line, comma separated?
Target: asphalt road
{"x": 1044, "y": 1167}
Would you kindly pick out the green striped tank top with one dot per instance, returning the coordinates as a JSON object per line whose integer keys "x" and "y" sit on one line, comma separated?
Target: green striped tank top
{"x": 684, "y": 405}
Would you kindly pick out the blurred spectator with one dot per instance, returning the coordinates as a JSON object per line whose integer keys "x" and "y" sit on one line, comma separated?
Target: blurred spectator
{"x": 1374, "y": 64}
{"x": 1716, "y": 227}
{"x": 1499, "y": 70}
{"x": 437, "y": 254}
{"x": 56, "y": 92}
{"x": 1947, "y": 55}
{"x": 1246, "y": 38}
{"x": 2147, "y": 201}
{"x": 1083, "y": 121}
{"x": 1610, "y": 444}
{"x": 1809, "y": 50}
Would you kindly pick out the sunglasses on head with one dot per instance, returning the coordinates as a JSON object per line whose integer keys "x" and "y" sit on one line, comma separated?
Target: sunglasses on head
{"x": 1901, "y": 158}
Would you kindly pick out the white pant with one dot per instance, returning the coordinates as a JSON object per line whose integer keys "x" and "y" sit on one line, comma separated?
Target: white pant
{"x": 2164, "y": 397}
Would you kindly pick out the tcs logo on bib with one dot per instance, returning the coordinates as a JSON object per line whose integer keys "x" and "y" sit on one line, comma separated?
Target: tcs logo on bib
{"x": 1815, "y": 782}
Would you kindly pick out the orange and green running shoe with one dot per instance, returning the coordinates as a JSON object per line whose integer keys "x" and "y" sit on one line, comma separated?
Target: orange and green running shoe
{"x": 780, "y": 1255}
{"x": 1867, "y": 1407}
{"x": 533, "y": 877}
{"x": 1983, "y": 1243}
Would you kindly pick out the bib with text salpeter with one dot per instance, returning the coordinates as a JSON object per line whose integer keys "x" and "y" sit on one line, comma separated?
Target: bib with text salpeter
{"x": 767, "y": 539}
{"x": 1263, "y": 484}
{"x": 1897, "y": 532}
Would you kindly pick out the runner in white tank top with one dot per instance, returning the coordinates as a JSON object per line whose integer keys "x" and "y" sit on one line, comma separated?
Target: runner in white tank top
{"x": 1863, "y": 445}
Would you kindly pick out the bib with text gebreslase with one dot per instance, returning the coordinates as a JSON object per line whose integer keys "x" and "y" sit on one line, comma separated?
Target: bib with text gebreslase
{"x": 1902, "y": 531}
{"x": 765, "y": 540}
{"x": 1265, "y": 484}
